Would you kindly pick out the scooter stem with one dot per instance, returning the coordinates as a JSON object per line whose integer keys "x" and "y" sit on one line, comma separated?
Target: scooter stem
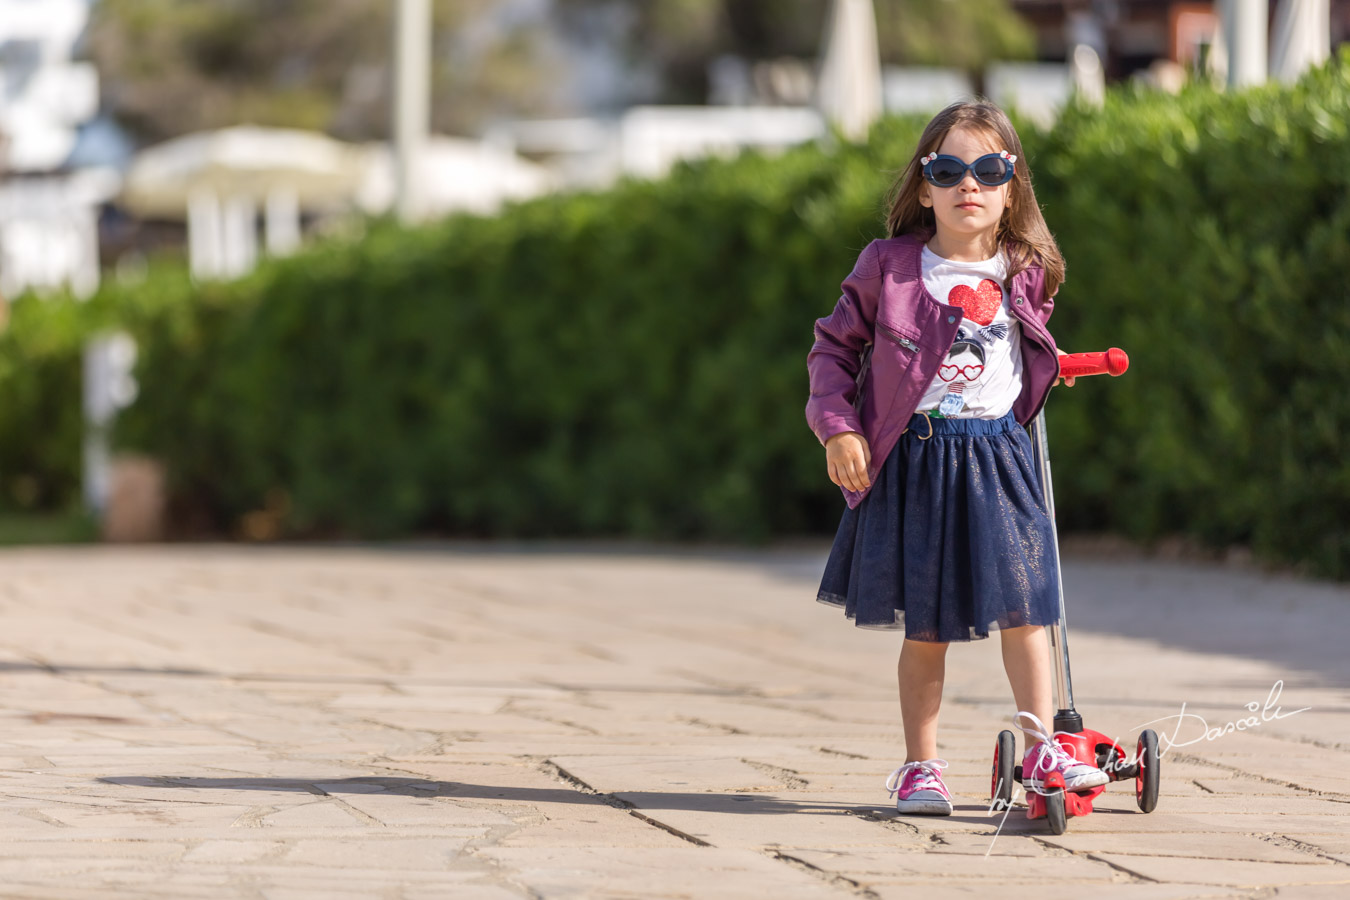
{"x": 1066, "y": 719}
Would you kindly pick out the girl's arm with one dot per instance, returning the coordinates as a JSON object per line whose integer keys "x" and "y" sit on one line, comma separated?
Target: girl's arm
{"x": 833, "y": 363}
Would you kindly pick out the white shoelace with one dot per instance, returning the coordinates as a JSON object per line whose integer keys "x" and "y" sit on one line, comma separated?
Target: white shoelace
{"x": 1051, "y": 753}
{"x": 930, "y": 770}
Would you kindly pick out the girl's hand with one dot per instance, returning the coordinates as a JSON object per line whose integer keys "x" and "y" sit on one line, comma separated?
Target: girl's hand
{"x": 1067, "y": 382}
{"x": 847, "y": 457}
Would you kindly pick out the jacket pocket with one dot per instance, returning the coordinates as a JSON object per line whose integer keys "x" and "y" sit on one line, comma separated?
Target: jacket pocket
{"x": 893, "y": 337}
{"x": 896, "y": 337}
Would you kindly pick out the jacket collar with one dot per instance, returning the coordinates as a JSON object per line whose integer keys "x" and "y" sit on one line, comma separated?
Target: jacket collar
{"x": 908, "y": 255}
{"x": 909, "y": 251}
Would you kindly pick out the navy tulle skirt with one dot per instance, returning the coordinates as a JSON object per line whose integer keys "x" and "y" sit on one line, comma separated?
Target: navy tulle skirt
{"x": 952, "y": 540}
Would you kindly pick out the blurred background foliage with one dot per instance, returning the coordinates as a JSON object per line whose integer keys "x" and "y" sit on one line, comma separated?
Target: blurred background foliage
{"x": 175, "y": 66}
{"x": 633, "y": 361}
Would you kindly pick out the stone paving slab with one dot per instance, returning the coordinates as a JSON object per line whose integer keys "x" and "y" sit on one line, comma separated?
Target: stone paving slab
{"x": 956, "y": 889}
{"x": 541, "y": 721}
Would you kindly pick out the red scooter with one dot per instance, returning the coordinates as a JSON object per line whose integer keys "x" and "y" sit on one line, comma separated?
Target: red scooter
{"x": 1084, "y": 744}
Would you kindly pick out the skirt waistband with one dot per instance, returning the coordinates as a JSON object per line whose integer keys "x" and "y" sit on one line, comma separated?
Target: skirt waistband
{"x": 921, "y": 422}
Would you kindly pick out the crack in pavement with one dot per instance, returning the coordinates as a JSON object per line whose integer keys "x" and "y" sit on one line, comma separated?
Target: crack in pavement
{"x": 1336, "y": 796}
{"x": 550, "y": 767}
{"x": 831, "y": 878}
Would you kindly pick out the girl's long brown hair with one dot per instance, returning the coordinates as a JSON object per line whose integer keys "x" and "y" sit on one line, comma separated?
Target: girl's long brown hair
{"x": 1022, "y": 232}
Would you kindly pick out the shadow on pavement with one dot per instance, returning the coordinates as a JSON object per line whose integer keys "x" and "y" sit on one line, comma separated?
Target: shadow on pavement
{"x": 640, "y": 801}
{"x": 418, "y": 787}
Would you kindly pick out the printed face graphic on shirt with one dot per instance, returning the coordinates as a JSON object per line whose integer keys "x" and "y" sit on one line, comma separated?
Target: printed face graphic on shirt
{"x": 965, "y": 361}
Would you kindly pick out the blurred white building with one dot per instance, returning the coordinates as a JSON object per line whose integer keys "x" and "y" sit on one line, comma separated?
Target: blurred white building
{"x": 246, "y": 190}
{"x": 923, "y": 89}
{"x": 455, "y": 175}
{"x": 48, "y": 214}
{"x": 44, "y": 95}
{"x": 646, "y": 141}
{"x": 654, "y": 138}
{"x": 1036, "y": 89}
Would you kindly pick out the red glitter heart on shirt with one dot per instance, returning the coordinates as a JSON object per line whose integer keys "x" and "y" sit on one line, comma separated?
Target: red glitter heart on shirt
{"x": 980, "y": 303}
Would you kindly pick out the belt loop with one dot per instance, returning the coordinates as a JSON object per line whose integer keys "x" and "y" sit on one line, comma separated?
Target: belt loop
{"x": 930, "y": 426}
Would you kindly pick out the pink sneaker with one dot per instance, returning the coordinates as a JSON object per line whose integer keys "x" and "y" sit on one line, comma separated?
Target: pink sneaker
{"x": 920, "y": 788}
{"x": 1048, "y": 756}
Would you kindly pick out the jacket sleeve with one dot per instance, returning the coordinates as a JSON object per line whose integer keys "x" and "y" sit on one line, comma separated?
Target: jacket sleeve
{"x": 834, "y": 361}
{"x": 1043, "y": 305}
{"x": 1046, "y": 307}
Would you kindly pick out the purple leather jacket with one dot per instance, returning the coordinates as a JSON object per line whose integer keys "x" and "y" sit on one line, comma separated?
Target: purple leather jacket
{"x": 885, "y": 299}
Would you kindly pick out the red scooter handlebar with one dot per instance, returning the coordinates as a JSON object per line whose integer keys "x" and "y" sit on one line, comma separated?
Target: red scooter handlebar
{"x": 1074, "y": 365}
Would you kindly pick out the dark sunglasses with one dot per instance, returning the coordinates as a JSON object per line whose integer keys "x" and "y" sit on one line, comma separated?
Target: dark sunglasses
{"x": 992, "y": 169}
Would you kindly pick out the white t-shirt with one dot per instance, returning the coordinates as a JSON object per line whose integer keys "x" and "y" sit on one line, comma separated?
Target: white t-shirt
{"x": 982, "y": 374}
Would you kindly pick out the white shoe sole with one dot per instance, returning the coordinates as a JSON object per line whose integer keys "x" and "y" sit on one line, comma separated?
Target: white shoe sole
{"x": 924, "y": 807}
{"x": 1081, "y": 783}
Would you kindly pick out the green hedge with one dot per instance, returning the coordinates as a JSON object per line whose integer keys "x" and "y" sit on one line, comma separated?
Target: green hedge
{"x": 1209, "y": 235}
{"x": 41, "y": 387}
{"x": 40, "y": 443}
{"x": 623, "y": 362}
{"x": 633, "y": 361}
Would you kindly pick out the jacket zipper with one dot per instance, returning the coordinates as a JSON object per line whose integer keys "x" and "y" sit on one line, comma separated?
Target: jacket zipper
{"x": 902, "y": 341}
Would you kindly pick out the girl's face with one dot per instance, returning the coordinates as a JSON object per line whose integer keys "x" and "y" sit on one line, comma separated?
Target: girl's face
{"x": 968, "y": 208}
{"x": 963, "y": 363}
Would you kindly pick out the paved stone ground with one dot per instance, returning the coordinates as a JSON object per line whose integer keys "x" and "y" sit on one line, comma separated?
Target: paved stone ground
{"x": 567, "y": 722}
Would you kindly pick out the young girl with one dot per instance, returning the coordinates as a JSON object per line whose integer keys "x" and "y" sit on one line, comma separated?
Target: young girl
{"x": 946, "y": 532}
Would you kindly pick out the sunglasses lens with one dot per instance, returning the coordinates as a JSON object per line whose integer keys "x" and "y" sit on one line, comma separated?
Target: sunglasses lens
{"x": 946, "y": 172}
{"x": 992, "y": 170}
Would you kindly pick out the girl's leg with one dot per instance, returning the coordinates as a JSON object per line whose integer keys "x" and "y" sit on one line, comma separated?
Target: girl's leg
{"x": 922, "y": 667}
{"x": 1026, "y": 657}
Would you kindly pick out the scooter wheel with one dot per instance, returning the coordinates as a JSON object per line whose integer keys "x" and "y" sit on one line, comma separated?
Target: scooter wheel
{"x": 1055, "y": 813}
{"x": 1001, "y": 782}
{"x": 1146, "y": 782}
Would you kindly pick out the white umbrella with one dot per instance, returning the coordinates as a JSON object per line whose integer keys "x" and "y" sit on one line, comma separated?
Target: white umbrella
{"x": 244, "y": 160}
{"x": 849, "y": 90}
{"x": 1302, "y": 37}
{"x": 216, "y": 181}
